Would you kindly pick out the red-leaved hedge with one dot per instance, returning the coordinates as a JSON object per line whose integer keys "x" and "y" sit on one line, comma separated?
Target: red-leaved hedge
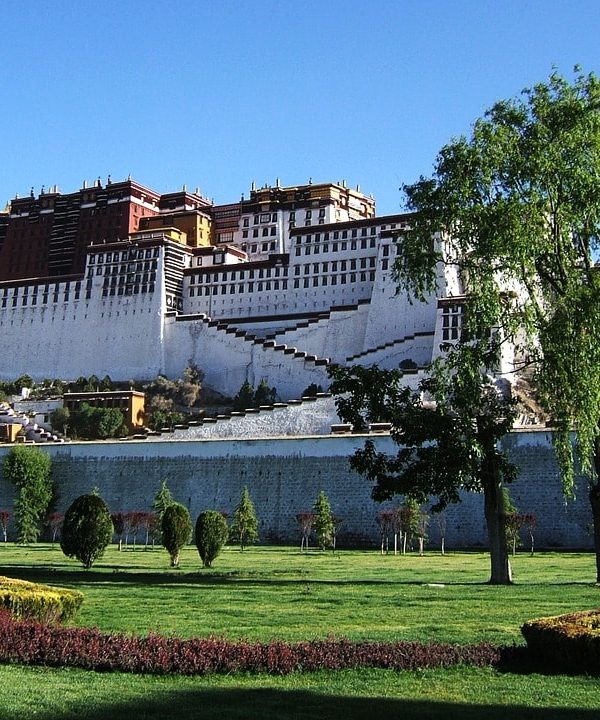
{"x": 36, "y": 644}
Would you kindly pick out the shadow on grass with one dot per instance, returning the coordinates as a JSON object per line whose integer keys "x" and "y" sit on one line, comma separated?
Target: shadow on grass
{"x": 258, "y": 704}
{"x": 129, "y": 576}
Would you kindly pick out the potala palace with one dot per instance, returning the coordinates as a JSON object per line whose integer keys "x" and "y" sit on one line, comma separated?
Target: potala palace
{"x": 117, "y": 279}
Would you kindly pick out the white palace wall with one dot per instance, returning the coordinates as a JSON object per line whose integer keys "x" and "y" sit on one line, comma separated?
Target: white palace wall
{"x": 143, "y": 310}
{"x": 121, "y": 337}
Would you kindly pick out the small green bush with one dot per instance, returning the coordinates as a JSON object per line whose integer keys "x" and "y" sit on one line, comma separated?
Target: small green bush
{"x": 211, "y": 535}
{"x": 569, "y": 642}
{"x": 176, "y": 527}
{"x": 47, "y": 604}
{"x": 87, "y": 529}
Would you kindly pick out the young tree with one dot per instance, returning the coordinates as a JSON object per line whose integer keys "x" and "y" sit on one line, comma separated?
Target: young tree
{"x": 518, "y": 207}
{"x": 422, "y": 525}
{"x": 409, "y": 521}
{"x": 176, "y": 530}
{"x": 323, "y": 523}
{"x": 60, "y": 420}
{"x": 86, "y": 530}
{"x": 244, "y": 398}
{"x": 306, "y": 521}
{"x": 445, "y": 445}
{"x": 55, "y": 521}
{"x": 149, "y": 523}
{"x": 162, "y": 500}
{"x": 244, "y": 527}
{"x": 530, "y": 522}
{"x": 387, "y": 520}
{"x": 118, "y": 521}
{"x": 512, "y": 522}
{"x": 211, "y": 535}
{"x": 442, "y": 523}
{"x": 264, "y": 394}
{"x": 4, "y": 518}
{"x": 338, "y": 523}
{"x": 29, "y": 470}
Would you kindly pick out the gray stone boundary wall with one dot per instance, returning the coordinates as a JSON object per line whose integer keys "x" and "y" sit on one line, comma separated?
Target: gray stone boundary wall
{"x": 284, "y": 477}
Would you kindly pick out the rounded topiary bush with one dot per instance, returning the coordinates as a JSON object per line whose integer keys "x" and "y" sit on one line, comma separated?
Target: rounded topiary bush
{"x": 87, "y": 529}
{"x": 211, "y": 535}
{"x": 176, "y": 528}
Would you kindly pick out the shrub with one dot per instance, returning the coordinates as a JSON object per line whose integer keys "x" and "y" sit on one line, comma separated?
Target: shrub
{"x": 176, "y": 528}
{"x": 33, "y": 643}
{"x": 569, "y": 642}
{"x": 211, "y": 535}
{"x": 312, "y": 390}
{"x": 244, "y": 527}
{"x": 86, "y": 530}
{"x": 39, "y": 602}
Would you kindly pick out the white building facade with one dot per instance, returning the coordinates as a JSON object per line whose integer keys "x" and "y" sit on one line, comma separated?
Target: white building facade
{"x": 278, "y": 298}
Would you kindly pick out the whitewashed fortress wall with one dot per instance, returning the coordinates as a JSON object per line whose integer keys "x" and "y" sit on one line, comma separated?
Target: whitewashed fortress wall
{"x": 148, "y": 306}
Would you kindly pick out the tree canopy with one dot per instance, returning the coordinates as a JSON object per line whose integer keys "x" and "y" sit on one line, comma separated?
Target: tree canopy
{"x": 515, "y": 208}
{"x": 446, "y": 444}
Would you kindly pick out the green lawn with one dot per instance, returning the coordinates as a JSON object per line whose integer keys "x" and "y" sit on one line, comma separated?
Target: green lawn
{"x": 279, "y": 593}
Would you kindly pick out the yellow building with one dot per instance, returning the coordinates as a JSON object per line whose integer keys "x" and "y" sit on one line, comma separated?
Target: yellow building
{"x": 130, "y": 402}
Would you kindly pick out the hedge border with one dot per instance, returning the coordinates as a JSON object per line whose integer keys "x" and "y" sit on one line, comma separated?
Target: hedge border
{"x": 29, "y": 642}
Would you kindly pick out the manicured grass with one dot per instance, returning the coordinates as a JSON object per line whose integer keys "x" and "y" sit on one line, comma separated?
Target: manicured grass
{"x": 269, "y": 593}
{"x": 465, "y": 693}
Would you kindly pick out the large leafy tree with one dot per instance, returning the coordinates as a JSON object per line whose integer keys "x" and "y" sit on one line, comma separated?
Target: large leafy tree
{"x": 446, "y": 444}
{"x": 516, "y": 207}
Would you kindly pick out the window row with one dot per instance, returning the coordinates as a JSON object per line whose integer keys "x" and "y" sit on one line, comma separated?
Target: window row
{"x": 354, "y": 264}
{"x": 136, "y": 289}
{"x": 325, "y": 280}
{"x": 130, "y": 279}
{"x": 315, "y": 281}
{"x": 272, "y": 231}
{"x": 239, "y": 288}
{"x": 132, "y": 254}
{"x": 122, "y": 269}
{"x": 47, "y": 294}
{"x": 341, "y": 234}
{"x": 230, "y": 275}
{"x": 321, "y": 249}
{"x": 265, "y": 247}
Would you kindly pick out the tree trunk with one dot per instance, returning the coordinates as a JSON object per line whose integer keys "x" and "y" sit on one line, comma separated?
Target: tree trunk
{"x": 532, "y": 543}
{"x": 595, "y": 503}
{"x": 501, "y": 573}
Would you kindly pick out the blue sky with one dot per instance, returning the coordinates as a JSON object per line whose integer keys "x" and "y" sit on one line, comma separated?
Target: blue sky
{"x": 219, "y": 94}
